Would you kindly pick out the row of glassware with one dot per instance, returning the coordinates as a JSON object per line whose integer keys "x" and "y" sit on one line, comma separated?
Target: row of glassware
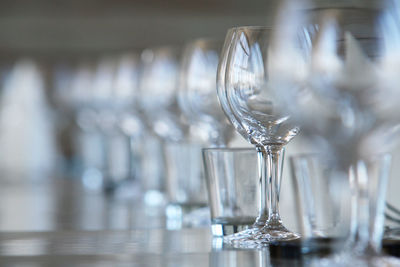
{"x": 329, "y": 71}
{"x": 133, "y": 108}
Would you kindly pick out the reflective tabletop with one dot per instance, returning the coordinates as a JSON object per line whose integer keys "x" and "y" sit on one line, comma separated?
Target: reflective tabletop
{"x": 147, "y": 247}
{"x": 56, "y": 222}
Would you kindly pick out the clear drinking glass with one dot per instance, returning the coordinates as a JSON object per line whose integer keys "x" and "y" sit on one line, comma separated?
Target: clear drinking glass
{"x": 325, "y": 201}
{"x": 160, "y": 113}
{"x": 111, "y": 97}
{"x": 226, "y": 107}
{"x": 90, "y": 144}
{"x": 248, "y": 100}
{"x": 232, "y": 183}
{"x": 334, "y": 67}
{"x": 158, "y": 93}
{"x": 125, "y": 158}
{"x": 185, "y": 186}
{"x": 197, "y": 97}
{"x": 322, "y": 200}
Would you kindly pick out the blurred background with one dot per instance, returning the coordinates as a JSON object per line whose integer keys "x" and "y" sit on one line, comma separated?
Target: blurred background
{"x": 59, "y": 33}
{"x": 65, "y": 33}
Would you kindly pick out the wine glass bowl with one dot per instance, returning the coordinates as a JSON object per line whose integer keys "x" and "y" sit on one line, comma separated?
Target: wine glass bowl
{"x": 221, "y": 92}
{"x": 125, "y": 94}
{"x": 158, "y": 93}
{"x": 197, "y": 97}
{"x": 248, "y": 91}
{"x": 345, "y": 96}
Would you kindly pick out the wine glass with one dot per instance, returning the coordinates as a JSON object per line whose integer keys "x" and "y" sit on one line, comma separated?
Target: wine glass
{"x": 344, "y": 102}
{"x": 246, "y": 97}
{"x": 125, "y": 158}
{"x": 197, "y": 97}
{"x": 107, "y": 99}
{"x": 160, "y": 112}
{"x": 263, "y": 205}
{"x": 90, "y": 142}
{"x": 158, "y": 93}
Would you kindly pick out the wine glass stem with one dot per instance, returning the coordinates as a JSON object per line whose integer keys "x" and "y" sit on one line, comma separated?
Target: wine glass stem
{"x": 262, "y": 174}
{"x": 274, "y": 155}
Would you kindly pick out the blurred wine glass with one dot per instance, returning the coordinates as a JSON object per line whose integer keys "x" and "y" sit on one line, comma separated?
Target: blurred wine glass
{"x": 197, "y": 95}
{"x": 185, "y": 184}
{"x": 161, "y": 114}
{"x": 125, "y": 95}
{"x": 89, "y": 142}
{"x": 334, "y": 67}
{"x": 102, "y": 98}
{"x": 158, "y": 94}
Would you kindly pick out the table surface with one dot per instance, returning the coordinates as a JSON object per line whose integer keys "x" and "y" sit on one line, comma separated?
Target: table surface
{"x": 55, "y": 222}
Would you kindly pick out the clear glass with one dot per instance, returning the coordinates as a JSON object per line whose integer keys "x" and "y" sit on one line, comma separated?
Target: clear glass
{"x": 160, "y": 113}
{"x": 185, "y": 186}
{"x": 226, "y": 107}
{"x": 153, "y": 176}
{"x": 124, "y": 156}
{"x": 104, "y": 104}
{"x": 158, "y": 93}
{"x": 322, "y": 198}
{"x": 248, "y": 101}
{"x": 100, "y": 96}
{"x": 334, "y": 67}
{"x": 197, "y": 96}
{"x": 331, "y": 202}
{"x": 232, "y": 183}
{"x": 115, "y": 87}
{"x": 91, "y": 144}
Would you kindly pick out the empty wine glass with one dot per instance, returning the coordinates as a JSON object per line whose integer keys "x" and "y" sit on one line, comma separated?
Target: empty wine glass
{"x": 158, "y": 93}
{"x": 247, "y": 98}
{"x": 103, "y": 92}
{"x": 108, "y": 105}
{"x": 160, "y": 111}
{"x": 197, "y": 97}
{"x": 342, "y": 96}
{"x": 90, "y": 143}
{"x": 126, "y": 160}
{"x": 226, "y": 107}
{"x": 208, "y": 126}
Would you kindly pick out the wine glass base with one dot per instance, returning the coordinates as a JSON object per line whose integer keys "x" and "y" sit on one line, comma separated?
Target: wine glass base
{"x": 258, "y": 238}
{"x": 243, "y": 239}
{"x": 277, "y": 232}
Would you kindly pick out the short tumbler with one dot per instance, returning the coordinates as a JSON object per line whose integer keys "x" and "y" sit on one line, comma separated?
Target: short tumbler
{"x": 323, "y": 201}
{"x": 232, "y": 183}
{"x": 186, "y": 186}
